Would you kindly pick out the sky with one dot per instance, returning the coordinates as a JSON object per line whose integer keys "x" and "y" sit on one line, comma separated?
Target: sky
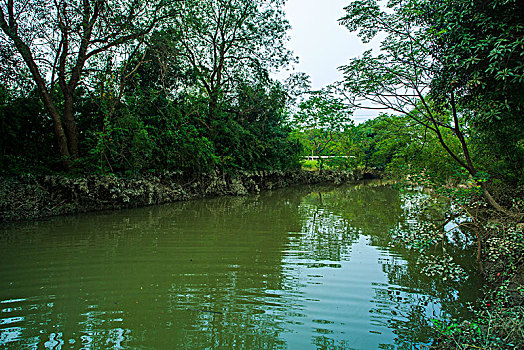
{"x": 321, "y": 44}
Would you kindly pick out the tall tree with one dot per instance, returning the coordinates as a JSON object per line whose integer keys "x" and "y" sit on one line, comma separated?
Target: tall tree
{"x": 399, "y": 77}
{"x": 59, "y": 41}
{"x": 229, "y": 42}
{"x": 481, "y": 47}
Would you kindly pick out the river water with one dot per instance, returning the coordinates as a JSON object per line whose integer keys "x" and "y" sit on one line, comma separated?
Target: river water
{"x": 298, "y": 268}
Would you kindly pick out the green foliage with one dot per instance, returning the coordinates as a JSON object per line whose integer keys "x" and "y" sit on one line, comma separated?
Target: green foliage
{"x": 252, "y": 133}
{"x": 439, "y": 65}
{"x": 25, "y": 131}
{"x": 481, "y": 47}
{"x": 375, "y": 146}
{"x": 497, "y": 321}
{"x": 229, "y": 43}
{"x": 309, "y": 164}
{"x": 191, "y": 94}
{"x": 146, "y": 130}
{"x": 398, "y": 78}
{"x": 322, "y": 118}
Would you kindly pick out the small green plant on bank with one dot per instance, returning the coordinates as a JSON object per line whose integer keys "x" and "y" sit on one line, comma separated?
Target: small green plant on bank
{"x": 491, "y": 328}
{"x": 307, "y": 164}
{"x": 330, "y": 164}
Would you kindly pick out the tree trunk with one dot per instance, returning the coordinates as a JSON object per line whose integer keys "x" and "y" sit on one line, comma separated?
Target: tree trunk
{"x": 213, "y": 103}
{"x": 70, "y": 127}
{"x": 59, "y": 133}
{"x": 485, "y": 193}
{"x": 489, "y": 198}
{"x": 49, "y": 105}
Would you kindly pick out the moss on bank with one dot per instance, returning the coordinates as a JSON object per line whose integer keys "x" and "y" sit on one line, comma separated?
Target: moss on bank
{"x": 31, "y": 197}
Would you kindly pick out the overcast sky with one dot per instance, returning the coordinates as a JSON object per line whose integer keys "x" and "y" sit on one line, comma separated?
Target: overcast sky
{"x": 321, "y": 44}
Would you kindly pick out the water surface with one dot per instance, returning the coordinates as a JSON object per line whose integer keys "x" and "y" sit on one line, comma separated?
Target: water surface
{"x": 300, "y": 268}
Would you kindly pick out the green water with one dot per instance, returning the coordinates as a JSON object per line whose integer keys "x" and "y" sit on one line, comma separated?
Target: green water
{"x": 300, "y": 268}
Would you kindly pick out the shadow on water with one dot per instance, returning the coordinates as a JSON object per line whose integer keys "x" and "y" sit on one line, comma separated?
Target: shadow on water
{"x": 299, "y": 268}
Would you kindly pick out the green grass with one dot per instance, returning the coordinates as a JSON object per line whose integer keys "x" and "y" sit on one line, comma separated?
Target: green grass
{"x": 309, "y": 164}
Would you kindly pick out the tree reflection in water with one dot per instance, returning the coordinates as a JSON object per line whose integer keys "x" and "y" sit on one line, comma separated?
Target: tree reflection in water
{"x": 334, "y": 221}
{"x": 306, "y": 267}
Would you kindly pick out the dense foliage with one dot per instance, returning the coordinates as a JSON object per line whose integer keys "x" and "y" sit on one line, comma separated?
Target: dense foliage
{"x": 452, "y": 74}
{"x": 180, "y": 86}
{"x": 481, "y": 45}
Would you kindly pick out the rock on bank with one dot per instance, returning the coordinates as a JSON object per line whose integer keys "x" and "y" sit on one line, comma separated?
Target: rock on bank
{"x": 30, "y": 197}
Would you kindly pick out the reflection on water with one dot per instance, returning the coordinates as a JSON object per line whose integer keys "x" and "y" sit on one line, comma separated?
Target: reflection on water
{"x": 301, "y": 268}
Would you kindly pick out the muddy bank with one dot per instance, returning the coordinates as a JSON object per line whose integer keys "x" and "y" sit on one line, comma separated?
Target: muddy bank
{"x": 31, "y": 197}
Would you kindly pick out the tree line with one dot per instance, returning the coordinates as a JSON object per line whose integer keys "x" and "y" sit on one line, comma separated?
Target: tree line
{"x": 96, "y": 85}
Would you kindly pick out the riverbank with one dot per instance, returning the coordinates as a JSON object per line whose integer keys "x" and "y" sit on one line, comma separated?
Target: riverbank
{"x": 32, "y": 197}
{"x": 497, "y": 321}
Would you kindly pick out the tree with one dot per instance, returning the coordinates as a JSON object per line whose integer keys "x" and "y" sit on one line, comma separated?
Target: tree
{"x": 230, "y": 42}
{"x": 253, "y": 134}
{"x": 481, "y": 46}
{"x": 399, "y": 78}
{"x": 321, "y": 118}
{"x": 59, "y": 41}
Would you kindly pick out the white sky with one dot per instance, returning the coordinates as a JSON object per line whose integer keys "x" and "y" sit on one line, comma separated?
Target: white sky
{"x": 321, "y": 44}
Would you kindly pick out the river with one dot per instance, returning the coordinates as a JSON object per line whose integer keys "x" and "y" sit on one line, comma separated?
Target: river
{"x": 297, "y": 268}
